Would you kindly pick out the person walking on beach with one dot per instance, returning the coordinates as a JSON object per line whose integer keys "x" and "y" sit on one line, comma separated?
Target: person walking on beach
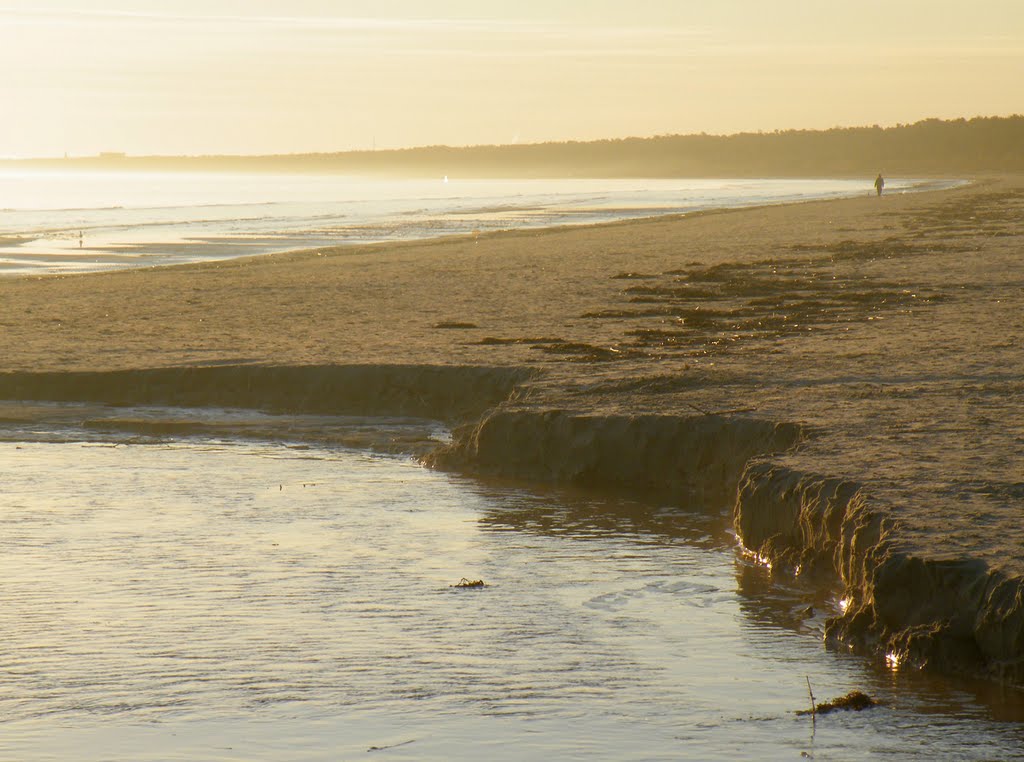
{"x": 879, "y": 184}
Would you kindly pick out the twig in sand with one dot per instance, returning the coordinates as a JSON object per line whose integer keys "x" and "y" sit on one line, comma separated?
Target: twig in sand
{"x": 392, "y": 746}
{"x": 814, "y": 710}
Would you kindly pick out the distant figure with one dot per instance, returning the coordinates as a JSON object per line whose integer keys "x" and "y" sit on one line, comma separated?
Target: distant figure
{"x": 879, "y": 184}
{"x": 80, "y": 234}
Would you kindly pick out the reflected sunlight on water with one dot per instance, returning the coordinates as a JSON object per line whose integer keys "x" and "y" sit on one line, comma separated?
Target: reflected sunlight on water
{"x": 202, "y": 598}
{"x": 84, "y": 221}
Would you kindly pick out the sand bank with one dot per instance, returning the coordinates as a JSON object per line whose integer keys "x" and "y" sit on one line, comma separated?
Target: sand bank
{"x": 847, "y": 372}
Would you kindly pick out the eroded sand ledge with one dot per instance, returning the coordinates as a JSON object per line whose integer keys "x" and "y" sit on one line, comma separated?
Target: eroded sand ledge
{"x": 426, "y": 391}
{"x": 807, "y": 361}
{"x": 955, "y": 615}
{"x": 687, "y": 460}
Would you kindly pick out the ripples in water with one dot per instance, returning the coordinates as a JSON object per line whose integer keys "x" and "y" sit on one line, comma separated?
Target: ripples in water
{"x": 204, "y": 598}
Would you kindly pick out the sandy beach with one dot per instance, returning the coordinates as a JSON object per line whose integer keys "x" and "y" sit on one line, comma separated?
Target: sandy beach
{"x": 846, "y": 372}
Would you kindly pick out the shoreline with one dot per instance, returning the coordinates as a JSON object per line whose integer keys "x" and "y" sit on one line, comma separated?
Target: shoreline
{"x": 807, "y": 358}
{"x": 130, "y": 239}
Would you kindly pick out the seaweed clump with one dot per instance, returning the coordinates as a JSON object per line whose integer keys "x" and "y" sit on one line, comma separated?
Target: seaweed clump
{"x": 854, "y": 701}
{"x": 469, "y": 583}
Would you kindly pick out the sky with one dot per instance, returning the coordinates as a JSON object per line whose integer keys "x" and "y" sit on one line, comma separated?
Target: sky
{"x": 275, "y": 76}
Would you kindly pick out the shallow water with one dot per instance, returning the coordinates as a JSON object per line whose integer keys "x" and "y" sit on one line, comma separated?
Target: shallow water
{"x": 209, "y": 597}
{"x": 53, "y": 221}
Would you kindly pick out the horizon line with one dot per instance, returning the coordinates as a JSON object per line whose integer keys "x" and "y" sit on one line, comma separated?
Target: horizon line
{"x": 119, "y": 155}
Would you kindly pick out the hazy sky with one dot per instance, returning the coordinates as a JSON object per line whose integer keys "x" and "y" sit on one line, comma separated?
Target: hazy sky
{"x": 276, "y": 76}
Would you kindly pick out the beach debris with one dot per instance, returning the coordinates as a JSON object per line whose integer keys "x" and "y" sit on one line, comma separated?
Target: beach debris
{"x": 392, "y": 746}
{"x": 576, "y": 351}
{"x": 633, "y": 276}
{"x": 487, "y": 340}
{"x": 469, "y": 583}
{"x": 454, "y": 324}
{"x": 854, "y": 701}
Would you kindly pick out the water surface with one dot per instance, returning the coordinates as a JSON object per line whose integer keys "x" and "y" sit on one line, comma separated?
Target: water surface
{"x": 80, "y": 221}
{"x": 207, "y": 597}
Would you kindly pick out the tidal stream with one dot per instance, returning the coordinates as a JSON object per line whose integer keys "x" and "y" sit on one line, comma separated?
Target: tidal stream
{"x": 207, "y": 597}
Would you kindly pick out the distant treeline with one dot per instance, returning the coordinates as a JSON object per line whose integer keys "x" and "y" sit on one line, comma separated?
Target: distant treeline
{"x": 929, "y": 147}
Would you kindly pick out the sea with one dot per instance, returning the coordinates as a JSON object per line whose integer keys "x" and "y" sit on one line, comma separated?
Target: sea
{"x": 84, "y": 221}
{"x": 224, "y": 584}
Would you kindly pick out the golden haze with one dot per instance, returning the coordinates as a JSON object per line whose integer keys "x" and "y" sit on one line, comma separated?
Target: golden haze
{"x": 220, "y": 77}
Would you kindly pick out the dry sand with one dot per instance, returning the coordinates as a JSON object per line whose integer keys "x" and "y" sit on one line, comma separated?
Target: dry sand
{"x": 891, "y": 329}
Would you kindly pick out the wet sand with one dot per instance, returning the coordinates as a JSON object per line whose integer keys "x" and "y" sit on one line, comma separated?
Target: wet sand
{"x": 888, "y": 332}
